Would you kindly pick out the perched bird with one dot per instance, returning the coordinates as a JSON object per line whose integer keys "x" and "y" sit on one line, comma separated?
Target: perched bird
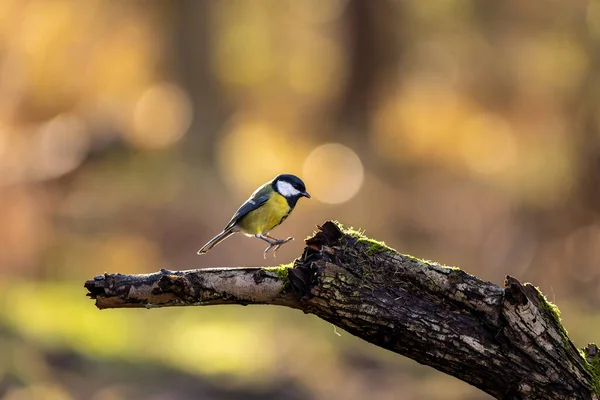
{"x": 266, "y": 208}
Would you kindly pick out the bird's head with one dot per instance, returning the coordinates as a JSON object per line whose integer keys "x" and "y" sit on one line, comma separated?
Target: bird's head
{"x": 290, "y": 186}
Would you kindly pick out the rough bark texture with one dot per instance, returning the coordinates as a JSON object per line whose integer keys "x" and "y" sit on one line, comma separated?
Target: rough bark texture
{"x": 508, "y": 342}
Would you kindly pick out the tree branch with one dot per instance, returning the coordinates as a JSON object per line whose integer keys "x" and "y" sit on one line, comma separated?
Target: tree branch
{"x": 509, "y": 342}
{"x": 203, "y": 287}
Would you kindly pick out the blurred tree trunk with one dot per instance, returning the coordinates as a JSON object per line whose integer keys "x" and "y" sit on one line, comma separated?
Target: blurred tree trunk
{"x": 508, "y": 342}
{"x": 376, "y": 48}
{"x": 192, "y": 54}
{"x": 585, "y": 103}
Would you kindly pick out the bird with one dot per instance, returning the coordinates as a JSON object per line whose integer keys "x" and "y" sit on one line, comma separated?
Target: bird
{"x": 266, "y": 208}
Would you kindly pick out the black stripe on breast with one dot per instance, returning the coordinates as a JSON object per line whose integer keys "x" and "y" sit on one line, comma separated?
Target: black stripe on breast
{"x": 285, "y": 216}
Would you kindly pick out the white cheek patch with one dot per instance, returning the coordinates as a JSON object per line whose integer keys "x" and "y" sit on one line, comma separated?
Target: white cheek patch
{"x": 286, "y": 189}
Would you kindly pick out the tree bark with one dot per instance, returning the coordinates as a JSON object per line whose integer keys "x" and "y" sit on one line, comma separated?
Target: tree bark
{"x": 508, "y": 342}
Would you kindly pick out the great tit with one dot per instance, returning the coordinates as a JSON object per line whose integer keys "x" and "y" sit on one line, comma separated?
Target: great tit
{"x": 266, "y": 208}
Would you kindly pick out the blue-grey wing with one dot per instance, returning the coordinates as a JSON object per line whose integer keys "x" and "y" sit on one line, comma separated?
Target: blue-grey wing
{"x": 258, "y": 198}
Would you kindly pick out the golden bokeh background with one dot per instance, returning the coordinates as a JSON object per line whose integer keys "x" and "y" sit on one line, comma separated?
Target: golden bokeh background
{"x": 461, "y": 131}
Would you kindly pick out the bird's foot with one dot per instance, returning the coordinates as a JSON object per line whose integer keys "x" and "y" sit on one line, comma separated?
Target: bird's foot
{"x": 275, "y": 245}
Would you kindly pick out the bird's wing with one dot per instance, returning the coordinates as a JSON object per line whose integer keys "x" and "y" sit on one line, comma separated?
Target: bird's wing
{"x": 257, "y": 199}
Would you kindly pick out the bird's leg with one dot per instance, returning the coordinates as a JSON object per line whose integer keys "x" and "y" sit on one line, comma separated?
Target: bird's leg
{"x": 278, "y": 243}
{"x": 274, "y": 243}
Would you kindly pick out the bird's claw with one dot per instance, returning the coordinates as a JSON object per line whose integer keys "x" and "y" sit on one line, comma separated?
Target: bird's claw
{"x": 275, "y": 245}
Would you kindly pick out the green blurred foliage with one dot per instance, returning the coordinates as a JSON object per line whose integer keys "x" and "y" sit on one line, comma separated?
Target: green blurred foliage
{"x": 461, "y": 131}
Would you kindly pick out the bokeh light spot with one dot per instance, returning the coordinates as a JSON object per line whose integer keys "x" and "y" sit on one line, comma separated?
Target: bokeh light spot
{"x": 488, "y": 145}
{"x": 58, "y": 147}
{"x": 334, "y": 173}
{"x": 421, "y": 122}
{"x": 161, "y": 117}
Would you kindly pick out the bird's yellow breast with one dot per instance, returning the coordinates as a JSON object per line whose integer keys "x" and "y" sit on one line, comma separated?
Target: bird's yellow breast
{"x": 266, "y": 217}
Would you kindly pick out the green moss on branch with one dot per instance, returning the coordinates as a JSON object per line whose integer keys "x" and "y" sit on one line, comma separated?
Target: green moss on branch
{"x": 591, "y": 357}
{"x": 374, "y": 246}
{"x": 554, "y": 311}
{"x": 282, "y": 273}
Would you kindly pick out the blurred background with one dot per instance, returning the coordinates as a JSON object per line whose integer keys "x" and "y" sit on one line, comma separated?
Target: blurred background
{"x": 461, "y": 131}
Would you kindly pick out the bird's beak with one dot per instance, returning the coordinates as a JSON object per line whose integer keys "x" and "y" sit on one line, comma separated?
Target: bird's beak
{"x": 305, "y": 194}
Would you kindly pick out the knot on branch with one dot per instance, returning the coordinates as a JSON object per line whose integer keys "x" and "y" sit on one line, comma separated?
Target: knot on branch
{"x": 513, "y": 291}
{"x": 303, "y": 276}
{"x": 183, "y": 287}
{"x": 528, "y": 301}
{"x": 329, "y": 234}
{"x": 591, "y": 353}
{"x": 344, "y": 254}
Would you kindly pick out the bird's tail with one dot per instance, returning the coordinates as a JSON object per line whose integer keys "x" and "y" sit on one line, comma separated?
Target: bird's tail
{"x": 215, "y": 241}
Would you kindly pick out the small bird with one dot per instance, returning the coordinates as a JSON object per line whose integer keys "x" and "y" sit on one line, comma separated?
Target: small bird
{"x": 266, "y": 208}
